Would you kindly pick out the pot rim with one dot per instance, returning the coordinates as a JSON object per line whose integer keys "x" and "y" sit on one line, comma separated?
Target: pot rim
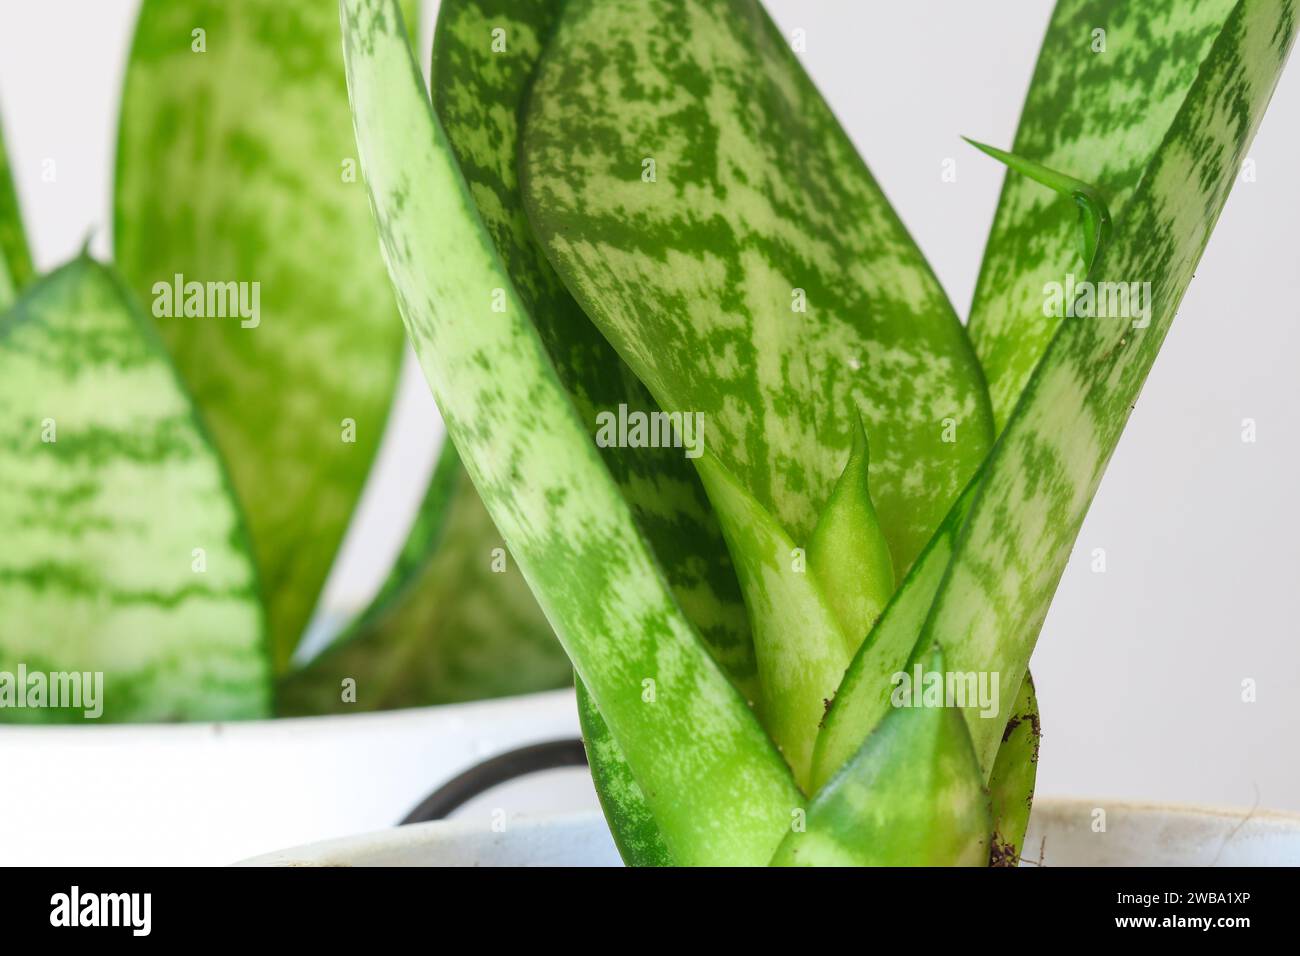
{"x": 1065, "y": 804}
{"x": 338, "y": 851}
{"x": 261, "y": 725}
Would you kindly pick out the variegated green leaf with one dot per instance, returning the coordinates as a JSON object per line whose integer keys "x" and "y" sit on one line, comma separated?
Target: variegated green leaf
{"x": 702, "y": 203}
{"x": 124, "y": 549}
{"x": 236, "y": 164}
{"x": 862, "y": 699}
{"x": 848, "y": 554}
{"x": 484, "y": 55}
{"x": 1111, "y": 76}
{"x": 460, "y": 626}
{"x": 636, "y": 834}
{"x": 681, "y": 724}
{"x": 1011, "y": 784}
{"x": 802, "y": 651}
{"x": 912, "y": 795}
{"x": 1045, "y": 469}
{"x": 15, "y": 263}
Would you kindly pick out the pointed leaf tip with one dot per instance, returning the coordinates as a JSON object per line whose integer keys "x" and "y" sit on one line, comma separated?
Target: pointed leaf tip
{"x": 849, "y": 555}
{"x": 1094, "y": 217}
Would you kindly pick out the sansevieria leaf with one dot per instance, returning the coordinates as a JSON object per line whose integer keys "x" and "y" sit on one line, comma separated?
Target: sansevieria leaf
{"x": 680, "y": 723}
{"x": 1111, "y": 76}
{"x": 15, "y": 262}
{"x": 700, "y": 200}
{"x": 865, "y": 696}
{"x": 237, "y": 173}
{"x": 862, "y": 699}
{"x": 462, "y": 626}
{"x": 798, "y": 677}
{"x": 484, "y": 55}
{"x": 913, "y": 795}
{"x": 1048, "y": 462}
{"x": 636, "y": 834}
{"x": 1011, "y": 784}
{"x": 124, "y": 550}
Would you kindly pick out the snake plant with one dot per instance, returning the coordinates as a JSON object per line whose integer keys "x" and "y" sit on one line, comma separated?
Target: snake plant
{"x": 178, "y": 471}
{"x": 806, "y": 642}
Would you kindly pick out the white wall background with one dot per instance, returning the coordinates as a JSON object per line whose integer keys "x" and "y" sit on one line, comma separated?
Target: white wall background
{"x": 1139, "y": 669}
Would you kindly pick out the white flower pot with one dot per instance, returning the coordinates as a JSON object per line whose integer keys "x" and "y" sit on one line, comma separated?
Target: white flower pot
{"x": 209, "y": 794}
{"x": 1061, "y": 830}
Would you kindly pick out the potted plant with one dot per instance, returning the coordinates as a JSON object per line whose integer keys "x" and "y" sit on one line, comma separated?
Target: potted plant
{"x": 624, "y": 226}
{"x": 188, "y": 433}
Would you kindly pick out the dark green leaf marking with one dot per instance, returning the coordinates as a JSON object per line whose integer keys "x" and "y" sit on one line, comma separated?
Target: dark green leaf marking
{"x": 636, "y": 833}
{"x": 1048, "y": 462}
{"x": 700, "y": 200}
{"x": 484, "y": 56}
{"x": 237, "y": 164}
{"x": 124, "y": 549}
{"x": 681, "y": 724}
{"x": 1098, "y": 116}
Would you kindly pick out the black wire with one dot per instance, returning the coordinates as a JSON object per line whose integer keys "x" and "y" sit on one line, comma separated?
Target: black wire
{"x": 496, "y": 770}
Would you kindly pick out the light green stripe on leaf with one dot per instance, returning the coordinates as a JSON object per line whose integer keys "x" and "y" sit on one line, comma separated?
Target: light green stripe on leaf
{"x": 1097, "y": 110}
{"x": 236, "y": 164}
{"x": 15, "y": 262}
{"x": 484, "y": 55}
{"x": 1048, "y": 463}
{"x": 682, "y": 726}
{"x": 124, "y": 550}
{"x": 700, "y": 200}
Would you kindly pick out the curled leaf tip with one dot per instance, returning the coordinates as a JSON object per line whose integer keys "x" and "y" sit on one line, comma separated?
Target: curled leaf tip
{"x": 1094, "y": 217}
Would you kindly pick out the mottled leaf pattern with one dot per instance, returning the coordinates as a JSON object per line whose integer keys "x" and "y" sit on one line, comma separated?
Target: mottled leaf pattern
{"x": 460, "y": 626}
{"x": 682, "y": 725}
{"x": 237, "y": 164}
{"x": 703, "y": 205}
{"x": 1098, "y": 115}
{"x": 483, "y": 57}
{"x": 1045, "y": 469}
{"x": 15, "y": 263}
{"x": 124, "y": 550}
{"x": 635, "y": 832}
